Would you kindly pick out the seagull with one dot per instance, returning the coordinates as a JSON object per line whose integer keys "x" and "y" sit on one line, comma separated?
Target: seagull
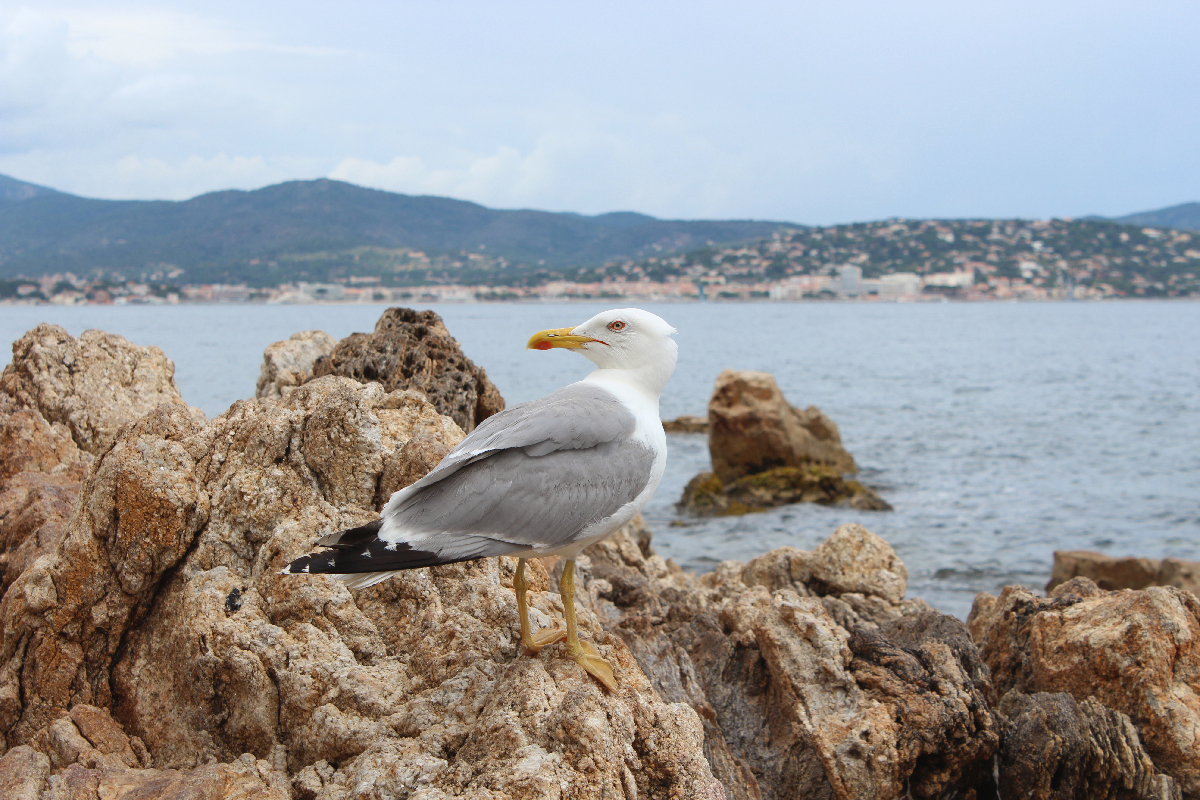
{"x": 543, "y": 478}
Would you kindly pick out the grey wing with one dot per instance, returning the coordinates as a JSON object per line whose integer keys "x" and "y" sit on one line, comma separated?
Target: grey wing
{"x": 537, "y": 479}
{"x": 575, "y": 417}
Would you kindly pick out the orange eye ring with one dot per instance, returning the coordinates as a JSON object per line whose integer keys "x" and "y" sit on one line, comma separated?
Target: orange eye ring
{"x": 616, "y": 325}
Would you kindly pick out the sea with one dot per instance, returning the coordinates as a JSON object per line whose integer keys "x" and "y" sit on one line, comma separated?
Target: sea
{"x": 999, "y": 432}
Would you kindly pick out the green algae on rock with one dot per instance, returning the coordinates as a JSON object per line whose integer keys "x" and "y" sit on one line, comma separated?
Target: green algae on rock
{"x": 705, "y": 495}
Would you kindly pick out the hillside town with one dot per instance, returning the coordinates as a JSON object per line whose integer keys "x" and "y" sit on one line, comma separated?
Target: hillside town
{"x": 888, "y": 261}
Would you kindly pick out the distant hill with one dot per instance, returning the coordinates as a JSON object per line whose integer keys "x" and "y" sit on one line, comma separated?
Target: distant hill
{"x": 311, "y": 230}
{"x": 1184, "y": 217}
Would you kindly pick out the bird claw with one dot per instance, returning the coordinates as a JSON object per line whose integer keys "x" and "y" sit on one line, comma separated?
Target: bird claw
{"x": 546, "y": 636}
{"x": 589, "y": 658}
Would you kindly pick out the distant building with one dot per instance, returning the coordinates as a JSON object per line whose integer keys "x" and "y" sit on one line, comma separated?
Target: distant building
{"x": 850, "y": 278}
{"x": 899, "y": 285}
{"x": 964, "y": 279}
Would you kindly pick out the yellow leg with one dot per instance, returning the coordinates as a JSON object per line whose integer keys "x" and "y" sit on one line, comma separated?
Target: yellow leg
{"x": 584, "y": 653}
{"x": 532, "y": 642}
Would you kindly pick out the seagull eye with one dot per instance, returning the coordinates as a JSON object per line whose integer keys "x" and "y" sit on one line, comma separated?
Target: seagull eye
{"x": 616, "y": 325}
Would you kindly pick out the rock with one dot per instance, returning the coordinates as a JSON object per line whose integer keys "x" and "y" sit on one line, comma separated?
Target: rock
{"x": 290, "y": 363}
{"x": 413, "y": 350}
{"x": 1055, "y": 747}
{"x": 793, "y": 704}
{"x": 164, "y": 604}
{"x": 854, "y": 560}
{"x": 752, "y": 428}
{"x": 686, "y": 424}
{"x": 705, "y": 495}
{"x": 1124, "y": 573}
{"x": 1136, "y": 652}
{"x": 92, "y": 385}
{"x": 23, "y": 774}
{"x": 34, "y": 510}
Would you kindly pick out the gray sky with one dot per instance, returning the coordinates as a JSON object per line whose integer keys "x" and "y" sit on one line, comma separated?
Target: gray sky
{"x": 806, "y": 112}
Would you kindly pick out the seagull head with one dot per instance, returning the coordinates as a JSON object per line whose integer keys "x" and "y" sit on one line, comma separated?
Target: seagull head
{"x": 620, "y": 339}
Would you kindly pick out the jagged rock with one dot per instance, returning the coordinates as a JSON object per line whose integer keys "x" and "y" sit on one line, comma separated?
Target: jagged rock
{"x": 290, "y": 362}
{"x": 794, "y": 705}
{"x": 1124, "y": 573}
{"x": 34, "y": 510}
{"x": 413, "y": 350}
{"x": 686, "y": 424}
{"x": 752, "y": 428}
{"x": 164, "y": 604}
{"x": 23, "y": 773}
{"x": 1054, "y": 748}
{"x": 1137, "y": 652}
{"x": 93, "y": 385}
{"x": 706, "y": 496}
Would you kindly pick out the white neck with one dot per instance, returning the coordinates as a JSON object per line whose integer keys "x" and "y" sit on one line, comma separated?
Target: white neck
{"x": 648, "y": 380}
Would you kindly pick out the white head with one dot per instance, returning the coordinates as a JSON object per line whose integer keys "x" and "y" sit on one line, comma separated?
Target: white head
{"x": 627, "y": 339}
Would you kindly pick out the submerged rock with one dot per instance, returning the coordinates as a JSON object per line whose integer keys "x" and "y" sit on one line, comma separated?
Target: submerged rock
{"x": 413, "y": 350}
{"x": 705, "y": 495}
{"x": 686, "y": 424}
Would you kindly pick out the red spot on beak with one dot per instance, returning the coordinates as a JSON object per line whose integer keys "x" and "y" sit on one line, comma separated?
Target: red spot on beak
{"x": 543, "y": 345}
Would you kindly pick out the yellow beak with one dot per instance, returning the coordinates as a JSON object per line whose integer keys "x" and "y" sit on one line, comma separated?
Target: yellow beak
{"x": 558, "y": 337}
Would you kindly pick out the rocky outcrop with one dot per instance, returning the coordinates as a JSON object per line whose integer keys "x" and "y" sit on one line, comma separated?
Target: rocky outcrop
{"x": 91, "y": 385}
{"x": 1134, "y": 652}
{"x": 766, "y": 453}
{"x": 289, "y": 363}
{"x": 413, "y": 350}
{"x": 706, "y": 496}
{"x": 1056, "y": 747}
{"x": 752, "y": 428}
{"x": 62, "y": 400}
{"x": 163, "y": 604}
{"x": 814, "y": 678}
{"x": 1124, "y": 573}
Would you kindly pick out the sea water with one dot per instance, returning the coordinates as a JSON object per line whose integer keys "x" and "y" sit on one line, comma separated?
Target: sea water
{"x": 1000, "y": 432}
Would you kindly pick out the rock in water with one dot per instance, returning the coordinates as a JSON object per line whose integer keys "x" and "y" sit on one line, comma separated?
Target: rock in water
{"x": 1124, "y": 573}
{"x": 752, "y": 428}
{"x": 290, "y": 363}
{"x": 413, "y": 350}
{"x": 1136, "y": 652}
{"x": 766, "y": 453}
{"x": 705, "y": 495}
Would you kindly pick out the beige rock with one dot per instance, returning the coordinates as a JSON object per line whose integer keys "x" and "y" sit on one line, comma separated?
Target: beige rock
{"x": 793, "y": 704}
{"x": 243, "y": 779}
{"x": 1137, "y": 652}
{"x": 227, "y": 657}
{"x": 1124, "y": 573}
{"x": 290, "y": 363}
{"x": 93, "y": 385}
{"x": 752, "y": 428}
{"x": 23, "y": 773}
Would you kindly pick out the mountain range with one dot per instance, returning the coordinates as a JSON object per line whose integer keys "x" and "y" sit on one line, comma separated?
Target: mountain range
{"x": 234, "y": 236}
{"x": 322, "y": 229}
